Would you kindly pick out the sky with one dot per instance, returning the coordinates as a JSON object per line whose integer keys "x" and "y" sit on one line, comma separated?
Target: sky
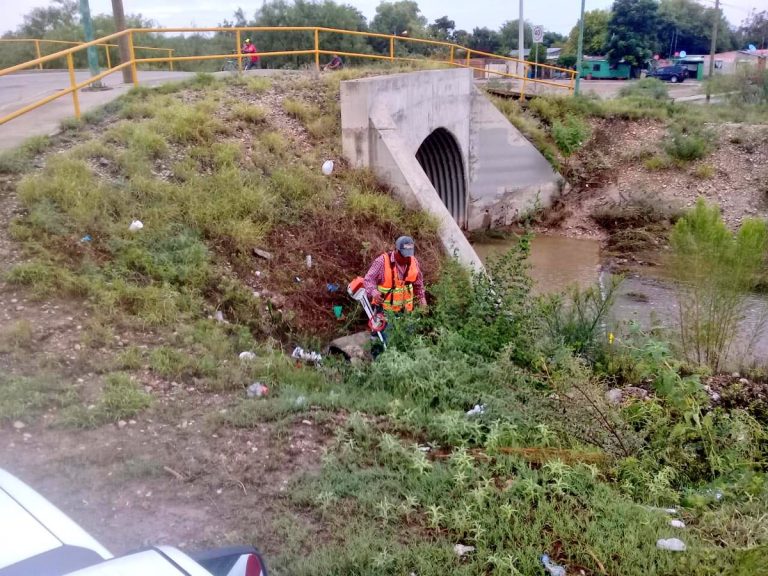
{"x": 555, "y": 15}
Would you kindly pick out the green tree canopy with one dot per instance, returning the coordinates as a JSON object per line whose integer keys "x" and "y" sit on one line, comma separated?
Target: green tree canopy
{"x": 509, "y": 35}
{"x": 632, "y": 31}
{"x": 687, "y": 25}
{"x": 397, "y": 17}
{"x": 485, "y": 40}
{"x": 595, "y": 34}
{"x": 754, "y": 30}
{"x": 442, "y": 28}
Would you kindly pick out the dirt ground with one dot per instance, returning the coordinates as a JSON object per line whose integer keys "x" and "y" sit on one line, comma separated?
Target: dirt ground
{"x": 738, "y": 172}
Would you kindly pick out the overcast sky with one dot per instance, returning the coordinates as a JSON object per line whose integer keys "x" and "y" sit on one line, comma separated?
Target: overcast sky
{"x": 556, "y": 15}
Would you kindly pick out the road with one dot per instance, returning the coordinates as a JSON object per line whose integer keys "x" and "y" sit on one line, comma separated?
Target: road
{"x": 18, "y": 90}
{"x": 601, "y": 88}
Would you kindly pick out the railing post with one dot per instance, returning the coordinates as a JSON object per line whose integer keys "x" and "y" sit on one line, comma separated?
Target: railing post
{"x": 134, "y": 75}
{"x": 391, "y": 47}
{"x": 37, "y": 51}
{"x": 106, "y": 53}
{"x": 239, "y": 50}
{"x": 73, "y": 83}
{"x": 170, "y": 62}
{"x": 317, "y": 50}
{"x": 469, "y": 57}
{"x": 452, "y": 53}
{"x": 525, "y": 79}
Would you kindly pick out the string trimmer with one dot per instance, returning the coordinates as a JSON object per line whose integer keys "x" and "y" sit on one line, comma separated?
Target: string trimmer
{"x": 377, "y": 321}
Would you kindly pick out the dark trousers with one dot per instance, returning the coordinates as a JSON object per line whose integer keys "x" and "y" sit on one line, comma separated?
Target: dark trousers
{"x": 251, "y": 65}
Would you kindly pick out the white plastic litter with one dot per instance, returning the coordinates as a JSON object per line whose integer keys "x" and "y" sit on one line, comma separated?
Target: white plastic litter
{"x": 219, "y": 317}
{"x": 309, "y": 261}
{"x": 677, "y": 523}
{"x": 247, "y": 356}
{"x": 670, "y": 510}
{"x": 462, "y": 550}
{"x": 478, "y": 410}
{"x": 136, "y": 225}
{"x": 300, "y": 401}
{"x": 328, "y": 167}
{"x": 257, "y": 390}
{"x": 552, "y": 568}
{"x": 671, "y": 544}
{"x": 308, "y": 356}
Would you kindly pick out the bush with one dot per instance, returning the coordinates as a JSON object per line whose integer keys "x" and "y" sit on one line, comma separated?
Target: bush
{"x": 687, "y": 147}
{"x": 716, "y": 270}
{"x": 570, "y": 135}
{"x": 19, "y": 160}
{"x": 638, "y": 209}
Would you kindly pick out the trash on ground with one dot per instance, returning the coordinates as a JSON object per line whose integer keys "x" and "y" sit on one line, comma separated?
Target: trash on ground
{"x": 462, "y": 550}
{"x": 332, "y": 287}
{"x": 247, "y": 356}
{"x": 424, "y": 448}
{"x": 136, "y": 225}
{"x": 307, "y": 355}
{"x": 297, "y": 279}
{"x": 257, "y": 390}
{"x": 300, "y": 401}
{"x": 309, "y": 261}
{"x": 670, "y": 510}
{"x": 477, "y": 410}
{"x": 551, "y": 568}
{"x": 86, "y": 238}
{"x": 328, "y": 167}
{"x": 307, "y": 422}
{"x": 677, "y": 523}
{"x": 671, "y": 544}
{"x": 219, "y": 317}
{"x": 338, "y": 312}
{"x": 262, "y": 254}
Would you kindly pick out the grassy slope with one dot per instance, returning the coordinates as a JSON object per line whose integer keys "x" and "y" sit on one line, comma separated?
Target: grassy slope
{"x": 214, "y": 170}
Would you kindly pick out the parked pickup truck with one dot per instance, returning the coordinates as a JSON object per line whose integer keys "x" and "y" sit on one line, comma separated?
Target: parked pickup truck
{"x": 38, "y": 539}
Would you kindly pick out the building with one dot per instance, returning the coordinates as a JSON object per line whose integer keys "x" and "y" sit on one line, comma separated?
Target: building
{"x": 598, "y": 68}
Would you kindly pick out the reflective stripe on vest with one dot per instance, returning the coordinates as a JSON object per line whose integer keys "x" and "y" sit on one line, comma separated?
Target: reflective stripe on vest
{"x": 397, "y": 292}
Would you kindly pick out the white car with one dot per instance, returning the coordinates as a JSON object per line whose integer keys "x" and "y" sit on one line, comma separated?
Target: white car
{"x": 38, "y": 539}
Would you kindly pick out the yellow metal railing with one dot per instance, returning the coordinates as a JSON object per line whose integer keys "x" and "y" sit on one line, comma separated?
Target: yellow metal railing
{"x": 453, "y": 50}
{"x": 37, "y": 43}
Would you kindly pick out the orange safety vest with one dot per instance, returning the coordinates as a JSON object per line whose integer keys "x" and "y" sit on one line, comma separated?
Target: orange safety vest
{"x": 397, "y": 292}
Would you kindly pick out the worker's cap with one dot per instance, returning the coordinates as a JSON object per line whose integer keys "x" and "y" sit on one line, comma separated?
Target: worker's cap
{"x": 247, "y": 40}
{"x": 405, "y": 245}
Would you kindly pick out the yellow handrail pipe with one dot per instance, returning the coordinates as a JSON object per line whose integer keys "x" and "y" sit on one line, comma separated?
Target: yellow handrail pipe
{"x": 316, "y": 51}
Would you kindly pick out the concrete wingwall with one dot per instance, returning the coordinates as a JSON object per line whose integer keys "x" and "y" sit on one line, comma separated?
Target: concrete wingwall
{"x": 386, "y": 120}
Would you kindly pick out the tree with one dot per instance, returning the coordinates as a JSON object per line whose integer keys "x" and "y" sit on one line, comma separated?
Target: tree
{"x": 553, "y": 39}
{"x": 754, "y": 30}
{"x": 41, "y": 21}
{"x": 398, "y": 17}
{"x": 442, "y": 28}
{"x": 509, "y": 35}
{"x": 485, "y": 40}
{"x": 595, "y": 34}
{"x": 687, "y": 25}
{"x": 632, "y": 31}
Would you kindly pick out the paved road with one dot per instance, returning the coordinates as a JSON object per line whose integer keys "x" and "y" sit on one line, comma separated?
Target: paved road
{"x": 605, "y": 88}
{"x": 18, "y": 90}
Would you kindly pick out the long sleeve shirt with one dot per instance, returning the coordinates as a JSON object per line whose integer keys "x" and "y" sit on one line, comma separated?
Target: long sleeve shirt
{"x": 375, "y": 277}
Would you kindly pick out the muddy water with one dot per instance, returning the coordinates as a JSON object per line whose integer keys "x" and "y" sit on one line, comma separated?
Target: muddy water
{"x": 558, "y": 262}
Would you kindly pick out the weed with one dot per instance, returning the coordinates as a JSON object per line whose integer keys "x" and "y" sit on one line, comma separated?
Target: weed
{"x": 657, "y": 162}
{"x": 249, "y": 113}
{"x": 45, "y": 279}
{"x": 300, "y": 110}
{"x": 634, "y": 211}
{"x": 121, "y": 399}
{"x": 24, "y": 398}
{"x": 274, "y": 142}
{"x": 570, "y": 135}
{"x": 19, "y": 160}
{"x": 704, "y": 171}
{"x": 17, "y": 335}
{"x": 647, "y": 88}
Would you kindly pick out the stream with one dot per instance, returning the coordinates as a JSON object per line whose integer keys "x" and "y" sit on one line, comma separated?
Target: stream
{"x": 644, "y": 296}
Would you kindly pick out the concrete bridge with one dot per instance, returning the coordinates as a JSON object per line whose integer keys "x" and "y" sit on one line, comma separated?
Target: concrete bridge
{"x": 442, "y": 146}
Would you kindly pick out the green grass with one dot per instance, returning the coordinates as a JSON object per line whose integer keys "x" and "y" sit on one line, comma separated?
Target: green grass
{"x": 26, "y": 398}
{"x": 302, "y": 111}
{"x": 19, "y": 160}
{"x": 249, "y": 113}
{"x": 17, "y": 335}
{"x": 121, "y": 398}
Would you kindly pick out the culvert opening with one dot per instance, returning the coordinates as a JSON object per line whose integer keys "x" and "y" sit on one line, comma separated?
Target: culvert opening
{"x": 440, "y": 158}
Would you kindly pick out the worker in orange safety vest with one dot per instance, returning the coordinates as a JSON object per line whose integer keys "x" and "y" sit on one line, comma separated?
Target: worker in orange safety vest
{"x": 394, "y": 281}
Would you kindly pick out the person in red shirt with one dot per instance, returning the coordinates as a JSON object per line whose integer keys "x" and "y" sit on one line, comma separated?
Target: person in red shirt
{"x": 254, "y": 61}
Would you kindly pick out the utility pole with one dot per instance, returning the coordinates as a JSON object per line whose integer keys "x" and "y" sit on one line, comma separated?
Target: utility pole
{"x": 93, "y": 57}
{"x": 521, "y": 39}
{"x": 125, "y": 53}
{"x": 579, "y": 50}
{"x": 713, "y": 49}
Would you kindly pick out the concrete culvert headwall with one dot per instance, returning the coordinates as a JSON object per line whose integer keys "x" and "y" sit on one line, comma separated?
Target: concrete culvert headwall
{"x": 440, "y": 157}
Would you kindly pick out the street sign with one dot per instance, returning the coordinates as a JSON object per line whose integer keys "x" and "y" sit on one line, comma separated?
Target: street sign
{"x": 538, "y": 34}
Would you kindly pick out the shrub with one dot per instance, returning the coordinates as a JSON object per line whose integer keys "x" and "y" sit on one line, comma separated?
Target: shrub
{"x": 716, "y": 270}
{"x": 638, "y": 209}
{"x": 687, "y": 147}
{"x": 249, "y": 113}
{"x": 570, "y": 135}
{"x": 300, "y": 110}
{"x": 657, "y": 162}
{"x": 704, "y": 171}
{"x": 19, "y": 160}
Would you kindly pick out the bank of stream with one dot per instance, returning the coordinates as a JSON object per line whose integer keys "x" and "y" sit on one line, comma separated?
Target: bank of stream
{"x": 644, "y": 296}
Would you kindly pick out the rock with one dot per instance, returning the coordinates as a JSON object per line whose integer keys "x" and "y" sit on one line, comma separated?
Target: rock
{"x": 677, "y": 523}
{"x": 352, "y": 347}
{"x": 614, "y": 396}
{"x": 743, "y": 381}
{"x": 247, "y": 356}
{"x": 122, "y": 424}
{"x": 462, "y": 550}
{"x": 19, "y": 425}
{"x": 262, "y": 254}
{"x": 617, "y": 396}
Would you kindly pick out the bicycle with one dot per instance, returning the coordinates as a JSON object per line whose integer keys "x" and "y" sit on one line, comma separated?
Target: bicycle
{"x": 230, "y": 65}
